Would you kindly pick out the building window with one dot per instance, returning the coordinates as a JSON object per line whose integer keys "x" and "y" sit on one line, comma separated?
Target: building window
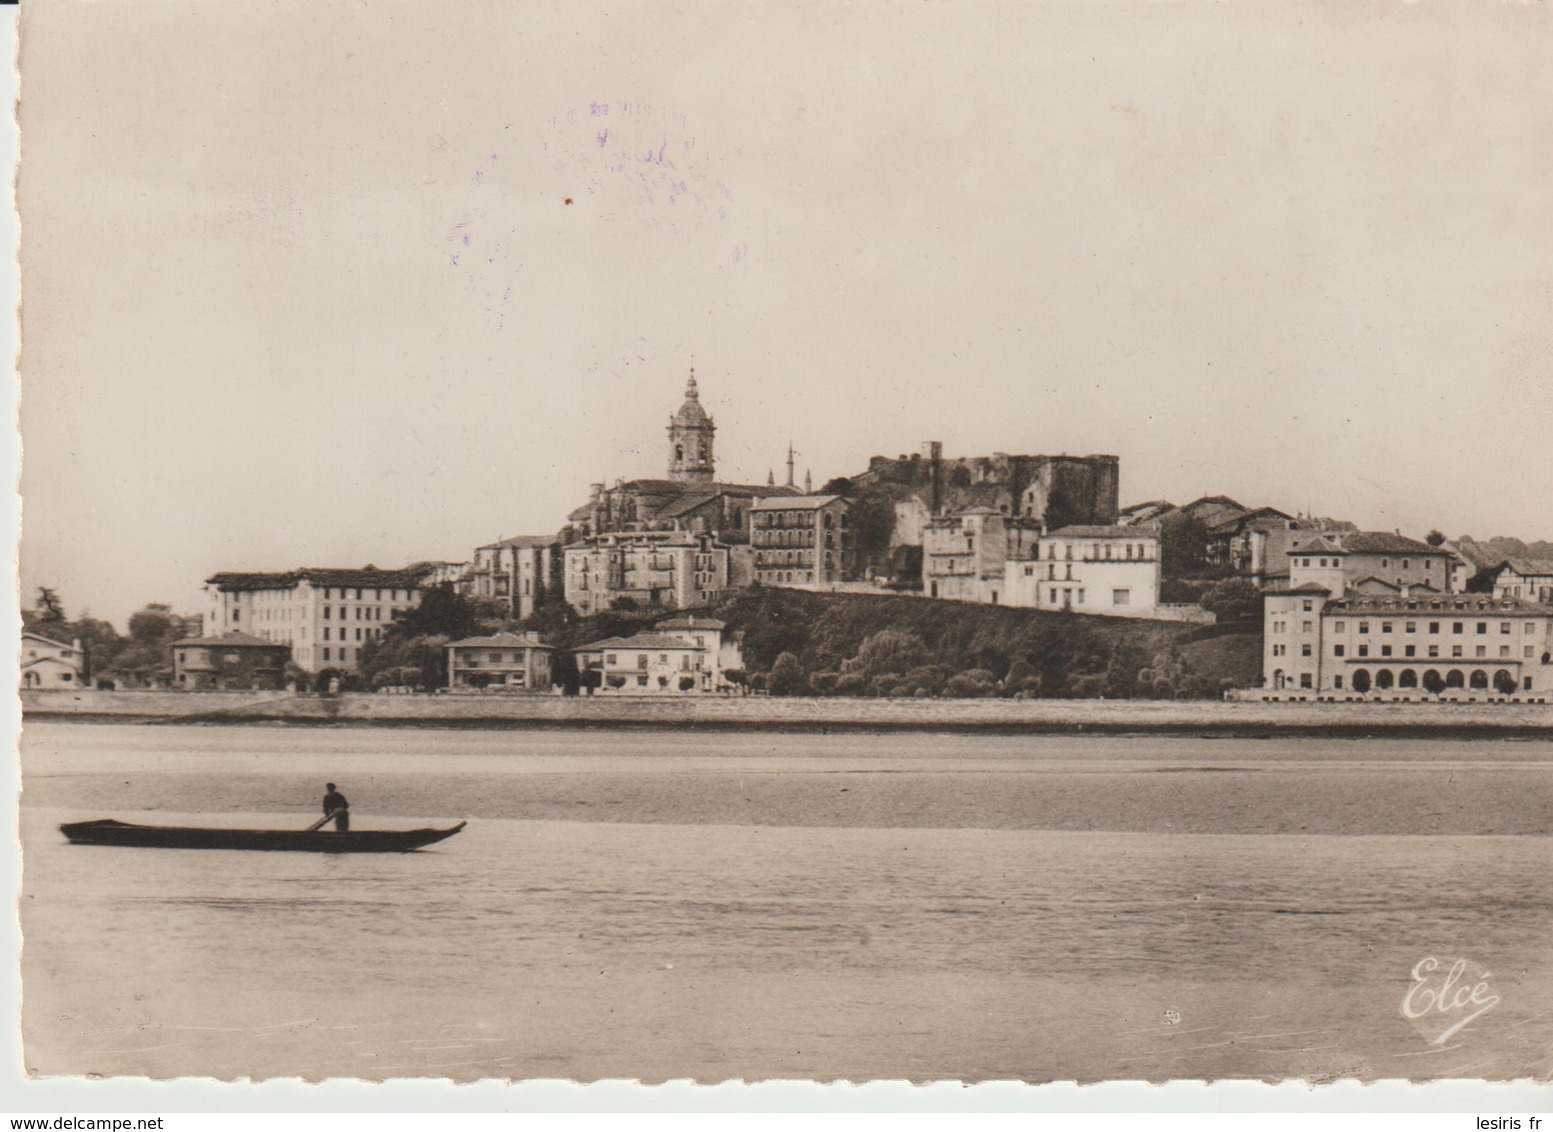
{"x": 1304, "y": 679}
{"x": 1504, "y": 650}
{"x": 1411, "y": 627}
{"x": 1457, "y": 627}
{"x": 1410, "y": 651}
{"x": 1482, "y": 627}
{"x": 1456, "y": 650}
{"x": 326, "y": 653}
{"x": 1385, "y": 650}
{"x": 1337, "y": 650}
{"x": 1308, "y": 627}
{"x": 1305, "y": 650}
{"x": 1337, "y": 626}
{"x": 1434, "y": 626}
{"x": 1121, "y": 597}
{"x": 1385, "y": 626}
{"x": 1504, "y": 628}
{"x": 1337, "y": 682}
{"x": 1481, "y": 650}
{"x": 1308, "y": 605}
{"x": 326, "y": 613}
{"x": 326, "y": 632}
{"x": 1527, "y": 652}
{"x": 1434, "y": 650}
{"x": 1364, "y": 650}
{"x": 1364, "y": 626}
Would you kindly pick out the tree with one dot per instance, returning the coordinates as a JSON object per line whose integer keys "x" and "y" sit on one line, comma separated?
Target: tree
{"x": 442, "y": 612}
{"x": 1233, "y": 599}
{"x": 1434, "y": 538}
{"x": 787, "y": 677}
{"x": 50, "y": 607}
{"x": 1183, "y": 546}
{"x": 889, "y": 650}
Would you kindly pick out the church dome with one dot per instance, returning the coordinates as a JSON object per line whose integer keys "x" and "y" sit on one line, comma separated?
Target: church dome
{"x": 691, "y": 413}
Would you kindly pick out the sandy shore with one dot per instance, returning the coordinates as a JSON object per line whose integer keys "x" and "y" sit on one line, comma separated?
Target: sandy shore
{"x": 801, "y": 713}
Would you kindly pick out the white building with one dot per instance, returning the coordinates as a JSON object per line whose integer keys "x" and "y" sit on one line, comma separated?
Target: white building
{"x": 682, "y": 656}
{"x": 325, "y": 615}
{"x": 964, "y": 554}
{"x": 1408, "y": 642}
{"x": 1529, "y": 578}
{"x": 1104, "y": 570}
{"x": 47, "y": 663}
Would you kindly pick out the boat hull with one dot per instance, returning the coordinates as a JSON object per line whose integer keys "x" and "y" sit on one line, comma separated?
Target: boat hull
{"x": 110, "y": 832}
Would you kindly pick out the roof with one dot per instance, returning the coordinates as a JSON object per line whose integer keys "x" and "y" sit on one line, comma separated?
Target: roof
{"x": 1251, "y": 518}
{"x": 233, "y": 640}
{"x": 407, "y": 578}
{"x": 1282, "y": 587}
{"x": 686, "y": 504}
{"x": 1137, "y": 530}
{"x": 1531, "y": 567}
{"x": 523, "y": 541}
{"x": 1440, "y": 603}
{"x": 1321, "y": 544}
{"x": 791, "y": 503}
{"x": 691, "y": 621}
{"x": 1384, "y": 542}
{"x": 504, "y": 640}
{"x": 37, "y": 636}
{"x": 639, "y": 641}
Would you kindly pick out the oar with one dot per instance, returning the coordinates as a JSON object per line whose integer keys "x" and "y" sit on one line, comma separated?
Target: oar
{"x": 321, "y": 822}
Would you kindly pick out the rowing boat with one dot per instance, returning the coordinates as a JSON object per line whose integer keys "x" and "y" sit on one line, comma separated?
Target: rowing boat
{"x": 110, "y": 832}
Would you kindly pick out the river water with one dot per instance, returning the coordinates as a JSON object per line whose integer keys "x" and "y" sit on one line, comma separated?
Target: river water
{"x": 661, "y": 905}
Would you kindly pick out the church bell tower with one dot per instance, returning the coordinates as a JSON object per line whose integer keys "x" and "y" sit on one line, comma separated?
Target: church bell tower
{"x": 690, "y": 439}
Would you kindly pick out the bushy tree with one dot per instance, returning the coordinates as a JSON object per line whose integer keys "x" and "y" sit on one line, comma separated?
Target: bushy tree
{"x": 787, "y": 677}
{"x": 889, "y": 650}
{"x": 850, "y": 684}
{"x": 1233, "y": 599}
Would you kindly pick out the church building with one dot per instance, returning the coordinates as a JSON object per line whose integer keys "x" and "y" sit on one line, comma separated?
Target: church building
{"x": 690, "y": 498}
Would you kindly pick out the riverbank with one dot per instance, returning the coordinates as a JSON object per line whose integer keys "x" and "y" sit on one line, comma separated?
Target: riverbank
{"x": 799, "y": 714}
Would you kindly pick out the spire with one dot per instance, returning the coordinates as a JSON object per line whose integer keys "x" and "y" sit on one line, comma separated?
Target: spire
{"x": 771, "y": 478}
{"x": 790, "y": 482}
{"x": 808, "y": 482}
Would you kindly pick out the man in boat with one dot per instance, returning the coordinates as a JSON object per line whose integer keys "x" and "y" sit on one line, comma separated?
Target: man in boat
{"x": 336, "y": 805}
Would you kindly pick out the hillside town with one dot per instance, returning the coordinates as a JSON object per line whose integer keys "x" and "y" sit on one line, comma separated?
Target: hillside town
{"x": 1334, "y": 612}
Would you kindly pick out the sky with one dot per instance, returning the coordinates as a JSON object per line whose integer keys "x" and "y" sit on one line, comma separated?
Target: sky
{"x": 325, "y": 284}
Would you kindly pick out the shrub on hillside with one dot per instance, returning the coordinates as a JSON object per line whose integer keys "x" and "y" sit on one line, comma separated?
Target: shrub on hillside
{"x": 850, "y": 684}
{"x": 787, "y": 677}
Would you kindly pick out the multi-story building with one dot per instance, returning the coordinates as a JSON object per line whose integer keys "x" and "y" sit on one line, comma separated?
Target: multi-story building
{"x": 1529, "y": 578}
{"x": 1107, "y": 570}
{"x": 233, "y": 661}
{"x": 722, "y": 651}
{"x": 1048, "y": 491}
{"x": 519, "y": 572}
{"x": 644, "y": 664}
{"x": 47, "y": 663}
{"x": 1321, "y": 641}
{"x": 509, "y": 662}
{"x": 964, "y": 554}
{"x": 801, "y": 539}
{"x": 648, "y": 569}
{"x": 1369, "y": 561}
{"x": 324, "y": 615}
{"x": 682, "y": 655}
